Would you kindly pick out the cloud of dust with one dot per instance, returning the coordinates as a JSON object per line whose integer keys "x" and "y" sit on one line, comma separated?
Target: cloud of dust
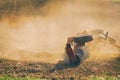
{"x": 46, "y": 28}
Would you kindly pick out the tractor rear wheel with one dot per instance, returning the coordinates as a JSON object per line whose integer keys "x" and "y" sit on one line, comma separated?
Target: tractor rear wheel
{"x": 75, "y": 61}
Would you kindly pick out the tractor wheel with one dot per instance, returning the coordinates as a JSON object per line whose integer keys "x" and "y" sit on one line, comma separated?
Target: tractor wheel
{"x": 78, "y": 60}
{"x": 75, "y": 61}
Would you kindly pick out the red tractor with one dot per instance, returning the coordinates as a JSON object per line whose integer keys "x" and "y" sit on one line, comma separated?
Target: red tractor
{"x": 76, "y": 49}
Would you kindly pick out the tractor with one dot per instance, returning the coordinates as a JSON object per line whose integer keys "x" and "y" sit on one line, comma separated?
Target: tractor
{"x": 76, "y": 49}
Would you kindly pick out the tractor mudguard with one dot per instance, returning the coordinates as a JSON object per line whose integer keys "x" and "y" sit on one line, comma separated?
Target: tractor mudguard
{"x": 69, "y": 51}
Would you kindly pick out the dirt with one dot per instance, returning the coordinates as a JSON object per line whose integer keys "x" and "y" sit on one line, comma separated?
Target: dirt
{"x": 60, "y": 70}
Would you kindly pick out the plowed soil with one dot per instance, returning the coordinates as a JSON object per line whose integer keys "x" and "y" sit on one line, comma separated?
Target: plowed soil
{"x": 60, "y": 70}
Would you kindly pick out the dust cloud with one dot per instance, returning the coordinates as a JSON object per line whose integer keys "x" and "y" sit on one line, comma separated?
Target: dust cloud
{"x": 30, "y": 29}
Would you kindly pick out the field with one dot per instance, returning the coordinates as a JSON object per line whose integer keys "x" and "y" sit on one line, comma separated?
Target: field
{"x": 31, "y": 29}
{"x": 88, "y": 70}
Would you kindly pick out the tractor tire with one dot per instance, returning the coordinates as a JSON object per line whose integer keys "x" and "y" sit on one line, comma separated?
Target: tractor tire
{"x": 75, "y": 61}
